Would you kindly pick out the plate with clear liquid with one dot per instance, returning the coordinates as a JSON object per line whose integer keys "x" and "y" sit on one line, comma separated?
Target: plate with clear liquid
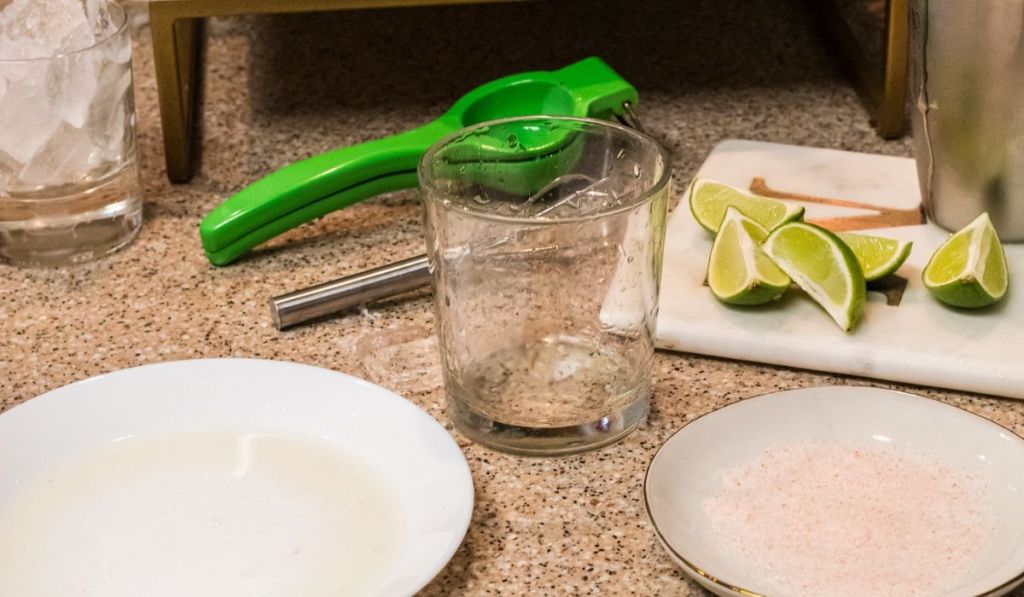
{"x": 226, "y": 477}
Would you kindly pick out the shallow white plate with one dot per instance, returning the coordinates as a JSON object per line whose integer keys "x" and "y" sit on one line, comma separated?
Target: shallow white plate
{"x": 321, "y": 465}
{"x": 689, "y": 468}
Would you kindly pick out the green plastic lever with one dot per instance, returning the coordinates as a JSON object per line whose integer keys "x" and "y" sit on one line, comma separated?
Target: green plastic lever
{"x": 316, "y": 186}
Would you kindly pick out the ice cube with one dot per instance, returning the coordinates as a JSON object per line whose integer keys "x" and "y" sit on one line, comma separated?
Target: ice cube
{"x": 98, "y": 14}
{"x": 74, "y": 79}
{"x": 8, "y": 168}
{"x": 43, "y": 103}
{"x": 69, "y": 156}
{"x": 113, "y": 81}
{"x": 18, "y": 48}
{"x": 116, "y": 138}
{"x": 109, "y": 110}
{"x": 119, "y": 51}
{"x": 46, "y": 27}
{"x": 78, "y": 38}
{"x": 28, "y": 114}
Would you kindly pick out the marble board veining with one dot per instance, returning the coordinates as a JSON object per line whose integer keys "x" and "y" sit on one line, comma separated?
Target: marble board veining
{"x": 920, "y": 341}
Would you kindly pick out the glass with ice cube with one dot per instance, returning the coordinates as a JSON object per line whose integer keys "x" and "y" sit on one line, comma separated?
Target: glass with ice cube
{"x": 545, "y": 239}
{"x": 69, "y": 188}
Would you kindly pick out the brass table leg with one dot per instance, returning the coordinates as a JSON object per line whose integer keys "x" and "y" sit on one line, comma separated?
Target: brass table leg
{"x": 882, "y": 86}
{"x": 176, "y": 47}
{"x": 892, "y": 108}
{"x": 177, "y": 26}
{"x": 177, "y": 34}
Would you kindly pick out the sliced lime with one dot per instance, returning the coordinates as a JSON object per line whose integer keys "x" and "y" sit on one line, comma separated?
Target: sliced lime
{"x": 878, "y": 256}
{"x": 709, "y": 199}
{"x": 739, "y": 273}
{"x": 969, "y": 269}
{"x": 823, "y": 266}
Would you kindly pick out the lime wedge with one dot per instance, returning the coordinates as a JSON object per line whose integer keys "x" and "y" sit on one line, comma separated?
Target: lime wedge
{"x": 969, "y": 269}
{"x": 739, "y": 273}
{"x": 878, "y": 256}
{"x": 709, "y": 199}
{"x": 823, "y": 266}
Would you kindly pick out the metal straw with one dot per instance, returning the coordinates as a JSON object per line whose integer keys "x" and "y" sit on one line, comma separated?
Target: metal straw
{"x": 359, "y": 289}
{"x": 351, "y": 291}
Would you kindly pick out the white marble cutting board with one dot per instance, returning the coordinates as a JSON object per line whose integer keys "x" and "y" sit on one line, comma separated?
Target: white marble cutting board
{"x": 921, "y": 341}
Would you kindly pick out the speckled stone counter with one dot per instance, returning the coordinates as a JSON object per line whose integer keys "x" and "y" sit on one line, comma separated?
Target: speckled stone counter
{"x": 281, "y": 88}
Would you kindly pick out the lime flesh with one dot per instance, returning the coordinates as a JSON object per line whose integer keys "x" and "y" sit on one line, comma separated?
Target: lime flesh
{"x": 823, "y": 266}
{"x": 969, "y": 269}
{"x": 709, "y": 200}
{"x": 878, "y": 256}
{"x": 739, "y": 272}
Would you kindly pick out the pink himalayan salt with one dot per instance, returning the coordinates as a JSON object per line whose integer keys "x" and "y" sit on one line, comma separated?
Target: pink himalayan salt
{"x": 832, "y": 519}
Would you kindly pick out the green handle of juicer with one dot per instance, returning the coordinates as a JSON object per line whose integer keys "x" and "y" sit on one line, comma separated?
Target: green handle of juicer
{"x": 313, "y": 188}
{"x": 316, "y": 186}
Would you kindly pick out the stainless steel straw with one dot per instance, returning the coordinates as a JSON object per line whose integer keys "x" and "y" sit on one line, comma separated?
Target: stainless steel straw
{"x": 358, "y": 289}
{"x": 351, "y": 291}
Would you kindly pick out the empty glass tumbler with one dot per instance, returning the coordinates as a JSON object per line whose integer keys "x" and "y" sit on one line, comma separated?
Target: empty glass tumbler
{"x": 545, "y": 238}
{"x": 69, "y": 187}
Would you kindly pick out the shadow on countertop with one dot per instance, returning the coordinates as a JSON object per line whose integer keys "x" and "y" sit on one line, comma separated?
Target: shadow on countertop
{"x": 384, "y": 59}
{"x": 280, "y": 88}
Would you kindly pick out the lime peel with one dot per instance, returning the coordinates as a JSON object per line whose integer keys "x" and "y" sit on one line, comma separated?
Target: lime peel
{"x": 709, "y": 200}
{"x": 739, "y": 272}
{"x": 969, "y": 270}
{"x": 823, "y": 266}
{"x": 878, "y": 256}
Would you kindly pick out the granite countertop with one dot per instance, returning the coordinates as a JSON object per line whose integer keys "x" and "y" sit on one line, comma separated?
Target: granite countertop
{"x": 281, "y": 88}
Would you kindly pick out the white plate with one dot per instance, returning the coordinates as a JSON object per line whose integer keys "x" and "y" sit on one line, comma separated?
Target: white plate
{"x": 322, "y": 465}
{"x": 689, "y": 468}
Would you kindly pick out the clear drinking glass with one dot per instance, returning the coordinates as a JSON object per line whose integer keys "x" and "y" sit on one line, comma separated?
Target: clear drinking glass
{"x": 545, "y": 240}
{"x": 69, "y": 188}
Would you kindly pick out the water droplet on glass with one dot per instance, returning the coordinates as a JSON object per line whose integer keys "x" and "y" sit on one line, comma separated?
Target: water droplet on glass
{"x": 637, "y": 170}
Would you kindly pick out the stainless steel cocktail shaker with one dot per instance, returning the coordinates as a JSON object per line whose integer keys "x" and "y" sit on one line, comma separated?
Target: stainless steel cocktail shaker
{"x": 967, "y": 88}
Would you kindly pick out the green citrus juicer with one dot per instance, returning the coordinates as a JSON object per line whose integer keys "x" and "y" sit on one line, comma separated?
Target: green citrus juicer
{"x": 316, "y": 186}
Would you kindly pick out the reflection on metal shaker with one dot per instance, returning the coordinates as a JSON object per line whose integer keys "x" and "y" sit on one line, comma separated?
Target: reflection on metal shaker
{"x": 967, "y": 88}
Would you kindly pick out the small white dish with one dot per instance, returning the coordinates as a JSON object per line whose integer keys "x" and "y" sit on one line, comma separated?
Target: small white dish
{"x": 689, "y": 467}
{"x": 416, "y": 468}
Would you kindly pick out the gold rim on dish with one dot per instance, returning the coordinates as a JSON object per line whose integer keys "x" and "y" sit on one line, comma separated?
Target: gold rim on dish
{"x": 696, "y": 570}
